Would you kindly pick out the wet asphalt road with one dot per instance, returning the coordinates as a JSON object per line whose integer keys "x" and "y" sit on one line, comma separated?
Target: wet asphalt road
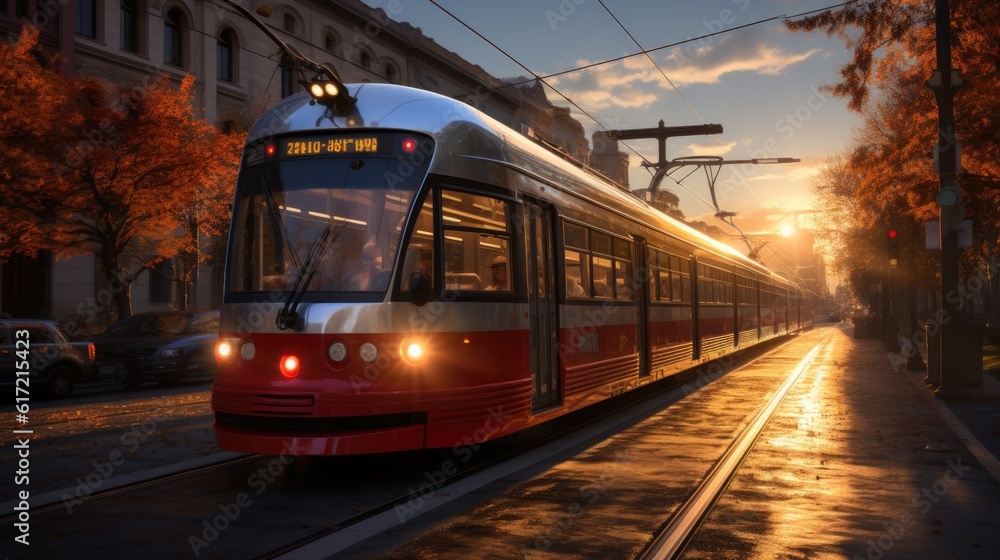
{"x": 841, "y": 472}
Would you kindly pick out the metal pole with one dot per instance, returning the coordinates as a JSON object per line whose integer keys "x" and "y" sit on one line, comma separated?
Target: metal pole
{"x": 952, "y": 378}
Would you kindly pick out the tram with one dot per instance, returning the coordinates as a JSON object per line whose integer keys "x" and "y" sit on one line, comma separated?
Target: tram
{"x": 408, "y": 273}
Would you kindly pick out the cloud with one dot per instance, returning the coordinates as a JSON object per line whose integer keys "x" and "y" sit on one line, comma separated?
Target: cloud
{"x": 709, "y": 148}
{"x": 635, "y": 83}
{"x": 706, "y": 61}
{"x": 794, "y": 173}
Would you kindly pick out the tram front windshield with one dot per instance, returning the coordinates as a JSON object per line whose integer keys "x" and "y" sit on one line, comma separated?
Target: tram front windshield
{"x": 340, "y": 217}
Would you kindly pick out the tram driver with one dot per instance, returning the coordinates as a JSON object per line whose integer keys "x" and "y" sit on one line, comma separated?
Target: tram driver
{"x": 361, "y": 272}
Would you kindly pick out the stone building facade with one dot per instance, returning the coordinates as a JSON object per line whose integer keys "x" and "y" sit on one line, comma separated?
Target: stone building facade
{"x": 239, "y": 73}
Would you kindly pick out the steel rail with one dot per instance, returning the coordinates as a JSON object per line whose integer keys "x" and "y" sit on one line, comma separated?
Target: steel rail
{"x": 676, "y": 534}
{"x": 58, "y": 498}
{"x": 308, "y": 547}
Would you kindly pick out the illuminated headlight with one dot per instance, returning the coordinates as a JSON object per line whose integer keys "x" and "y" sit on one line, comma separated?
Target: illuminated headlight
{"x": 337, "y": 352}
{"x": 368, "y": 352}
{"x": 413, "y": 351}
{"x": 223, "y": 349}
{"x": 316, "y": 90}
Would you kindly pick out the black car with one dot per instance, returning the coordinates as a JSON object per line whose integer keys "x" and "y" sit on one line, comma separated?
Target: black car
{"x": 40, "y": 348}
{"x": 165, "y": 346}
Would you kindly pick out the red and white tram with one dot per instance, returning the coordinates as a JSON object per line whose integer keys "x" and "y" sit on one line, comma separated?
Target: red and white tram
{"x": 365, "y": 309}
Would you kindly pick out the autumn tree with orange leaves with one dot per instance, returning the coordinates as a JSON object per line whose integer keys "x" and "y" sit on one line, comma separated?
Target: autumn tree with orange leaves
{"x": 886, "y": 177}
{"x": 131, "y": 173}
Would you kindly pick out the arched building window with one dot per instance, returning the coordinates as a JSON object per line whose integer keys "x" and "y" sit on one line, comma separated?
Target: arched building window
{"x": 288, "y": 85}
{"x": 85, "y": 12}
{"x": 366, "y": 61}
{"x": 226, "y": 49}
{"x": 174, "y": 25}
{"x": 129, "y": 25}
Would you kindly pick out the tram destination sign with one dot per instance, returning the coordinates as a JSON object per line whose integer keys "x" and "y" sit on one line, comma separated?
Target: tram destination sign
{"x": 340, "y": 145}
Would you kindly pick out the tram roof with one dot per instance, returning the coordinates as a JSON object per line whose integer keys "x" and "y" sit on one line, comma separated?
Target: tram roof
{"x": 468, "y": 134}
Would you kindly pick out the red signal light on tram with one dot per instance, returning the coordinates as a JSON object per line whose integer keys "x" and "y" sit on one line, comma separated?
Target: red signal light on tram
{"x": 270, "y": 150}
{"x": 289, "y": 366}
{"x": 409, "y": 145}
{"x": 892, "y": 234}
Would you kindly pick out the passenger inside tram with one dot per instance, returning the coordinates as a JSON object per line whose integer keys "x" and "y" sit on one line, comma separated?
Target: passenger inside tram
{"x": 498, "y": 275}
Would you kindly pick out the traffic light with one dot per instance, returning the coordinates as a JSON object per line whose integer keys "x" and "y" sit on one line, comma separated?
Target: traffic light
{"x": 892, "y": 246}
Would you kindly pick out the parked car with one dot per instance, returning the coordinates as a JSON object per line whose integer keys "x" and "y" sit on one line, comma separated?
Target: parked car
{"x": 165, "y": 346}
{"x": 53, "y": 363}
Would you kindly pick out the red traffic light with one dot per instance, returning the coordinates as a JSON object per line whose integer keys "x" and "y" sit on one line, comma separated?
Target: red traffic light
{"x": 892, "y": 234}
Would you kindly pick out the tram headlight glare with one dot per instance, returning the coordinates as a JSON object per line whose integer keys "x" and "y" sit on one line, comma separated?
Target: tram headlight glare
{"x": 223, "y": 349}
{"x": 289, "y": 365}
{"x": 413, "y": 351}
{"x": 368, "y": 352}
{"x": 337, "y": 352}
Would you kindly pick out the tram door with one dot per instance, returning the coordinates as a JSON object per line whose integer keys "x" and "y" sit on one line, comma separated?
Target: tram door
{"x": 544, "y": 306}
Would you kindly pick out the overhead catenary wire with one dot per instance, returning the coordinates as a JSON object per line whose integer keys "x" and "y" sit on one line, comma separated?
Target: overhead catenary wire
{"x": 653, "y": 62}
{"x": 674, "y": 44}
{"x": 528, "y": 70}
{"x": 645, "y": 52}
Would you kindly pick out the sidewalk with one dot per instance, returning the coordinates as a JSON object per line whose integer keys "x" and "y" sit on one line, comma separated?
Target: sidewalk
{"x": 975, "y": 421}
{"x": 865, "y": 458}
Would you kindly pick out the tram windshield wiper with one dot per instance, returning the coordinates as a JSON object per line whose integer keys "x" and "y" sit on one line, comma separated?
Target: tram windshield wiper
{"x": 288, "y": 315}
{"x": 274, "y": 216}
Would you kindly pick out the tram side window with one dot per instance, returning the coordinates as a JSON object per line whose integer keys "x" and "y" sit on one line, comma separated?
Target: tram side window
{"x": 476, "y": 244}
{"x": 672, "y": 277}
{"x": 419, "y": 256}
{"x": 680, "y": 273}
{"x": 623, "y": 269}
{"x": 746, "y": 291}
{"x": 714, "y": 285}
{"x": 577, "y": 274}
{"x": 659, "y": 264}
{"x": 767, "y": 295}
{"x": 603, "y": 278}
{"x": 597, "y": 265}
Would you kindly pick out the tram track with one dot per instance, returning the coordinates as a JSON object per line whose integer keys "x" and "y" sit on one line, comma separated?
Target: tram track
{"x": 340, "y": 515}
{"x": 52, "y": 501}
{"x": 374, "y": 536}
{"x": 671, "y": 541}
{"x": 329, "y": 541}
{"x": 92, "y": 418}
